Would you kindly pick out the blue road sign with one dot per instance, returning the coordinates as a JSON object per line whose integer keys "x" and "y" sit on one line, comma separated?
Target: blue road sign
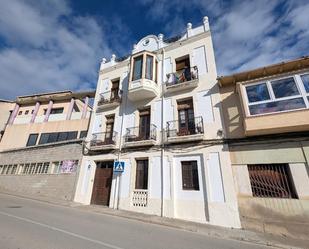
{"x": 118, "y": 166}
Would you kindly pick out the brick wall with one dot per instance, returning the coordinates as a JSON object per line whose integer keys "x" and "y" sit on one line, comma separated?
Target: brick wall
{"x": 59, "y": 186}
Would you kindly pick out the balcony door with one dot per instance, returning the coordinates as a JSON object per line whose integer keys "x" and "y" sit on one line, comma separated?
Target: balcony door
{"x": 115, "y": 90}
{"x": 144, "y": 124}
{"x": 109, "y": 129}
{"x": 186, "y": 122}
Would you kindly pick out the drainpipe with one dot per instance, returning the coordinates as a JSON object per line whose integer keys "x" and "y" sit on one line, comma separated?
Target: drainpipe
{"x": 162, "y": 135}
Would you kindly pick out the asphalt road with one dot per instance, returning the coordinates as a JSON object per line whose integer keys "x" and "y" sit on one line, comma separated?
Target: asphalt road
{"x": 29, "y": 224}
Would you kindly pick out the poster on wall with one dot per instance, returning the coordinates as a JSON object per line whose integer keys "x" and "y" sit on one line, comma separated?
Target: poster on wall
{"x": 68, "y": 166}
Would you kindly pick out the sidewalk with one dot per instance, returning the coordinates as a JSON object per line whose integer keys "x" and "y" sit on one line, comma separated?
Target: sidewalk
{"x": 208, "y": 230}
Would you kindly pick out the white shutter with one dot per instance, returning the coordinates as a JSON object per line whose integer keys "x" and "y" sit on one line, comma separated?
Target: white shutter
{"x": 97, "y": 124}
{"x": 156, "y": 119}
{"x": 155, "y": 178}
{"x": 104, "y": 85}
{"x": 204, "y": 106}
{"x": 168, "y": 68}
{"x": 199, "y": 60}
{"x": 215, "y": 178}
{"x": 125, "y": 180}
{"x": 168, "y": 114}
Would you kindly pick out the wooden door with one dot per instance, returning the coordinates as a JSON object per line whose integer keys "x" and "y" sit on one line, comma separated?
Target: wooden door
{"x": 102, "y": 183}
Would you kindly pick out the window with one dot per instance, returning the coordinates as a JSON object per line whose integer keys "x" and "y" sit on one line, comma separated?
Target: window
{"x": 32, "y": 111}
{"x": 186, "y": 120}
{"x": 115, "y": 89}
{"x": 137, "y": 67}
{"x": 271, "y": 180}
{"x": 57, "y": 137}
{"x": 149, "y": 67}
{"x": 144, "y": 124}
{"x": 182, "y": 63}
{"x": 83, "y": 134}
{"x": 20, "y": 112}
{"x": 189, "y": 175}
{"x": 109, "y": 128}
{"x": 276, "y": 96}
{"x": 14, "y": 169}
{"x": 26, "y": 112}
{"x": 141, "y": 180}
{"x": 56, "y": 110}
{"x": 32, "y": 139}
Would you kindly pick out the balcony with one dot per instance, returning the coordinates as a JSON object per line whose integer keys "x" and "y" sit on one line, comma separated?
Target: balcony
{"x": 185, "y": 79}
{"x": 185, "y": 131}
{"x": 142, "y": 89}
{"x": 103, "y": 141}
{"x": 137, "y": 137}
{"x": 110, "y": 99}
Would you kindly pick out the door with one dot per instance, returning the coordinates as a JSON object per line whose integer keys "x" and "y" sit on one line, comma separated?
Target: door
{"x": 102, "y": 183}
{"x": 144, "y": 125}
{"x": 109, "y": 129}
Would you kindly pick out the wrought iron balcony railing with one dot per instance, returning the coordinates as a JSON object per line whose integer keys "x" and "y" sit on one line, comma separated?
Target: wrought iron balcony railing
{"x": 103, "y": 138}
{"x": 181, "y": 76}
{"x": 110, "y": 97}
{"x": 186, "y": 127}
{"x": 135, "y": 134}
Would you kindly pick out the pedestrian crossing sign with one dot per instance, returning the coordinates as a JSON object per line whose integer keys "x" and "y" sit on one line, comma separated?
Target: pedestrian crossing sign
{"x": 118, "y": 166}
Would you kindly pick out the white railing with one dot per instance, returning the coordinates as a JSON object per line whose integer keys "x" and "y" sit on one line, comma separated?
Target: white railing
{"x": 57, "y": 117}
{"x": 140, "y": 198}
{"x": 22, "y": 120}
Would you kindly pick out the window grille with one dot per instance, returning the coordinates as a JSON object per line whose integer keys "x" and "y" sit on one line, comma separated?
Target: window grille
{"x": 271, "y": 180}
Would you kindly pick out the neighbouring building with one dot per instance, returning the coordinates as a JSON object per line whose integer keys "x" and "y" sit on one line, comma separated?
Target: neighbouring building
{"x": 158, "y": 110}
{"x": 6, "y": 107}
{"x": 41, "y": 147}
{"x": 266, "y": 116}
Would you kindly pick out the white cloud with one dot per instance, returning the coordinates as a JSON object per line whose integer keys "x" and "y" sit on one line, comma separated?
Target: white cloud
{"x": 47, "y": 48}
{"x": 246, "y": 34}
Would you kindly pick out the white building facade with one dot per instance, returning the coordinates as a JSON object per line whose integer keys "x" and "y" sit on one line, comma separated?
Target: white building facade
{"x": 158, "y": 111}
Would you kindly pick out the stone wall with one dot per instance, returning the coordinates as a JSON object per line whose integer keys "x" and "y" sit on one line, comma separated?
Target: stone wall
{"x": 58, "y": 186}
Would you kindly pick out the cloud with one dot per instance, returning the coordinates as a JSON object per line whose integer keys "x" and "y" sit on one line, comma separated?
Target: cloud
{"x": 47, "y": 48}
{"x": 246, "y": 34}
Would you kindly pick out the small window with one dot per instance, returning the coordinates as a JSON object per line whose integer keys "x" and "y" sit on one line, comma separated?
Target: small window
{"x": 189, "y": 175}
{"x": 83, "y": 134}
{"x": 72, "y": 135}
{"x": 20, "y": 112}
{"x": 284, "y": 88}
{"x": 44, "y": 138}
{"x": 141, "y": 180}
{"x": 271, "y": 180}
{"x": 32, "y": 111}
{"x": 56, "y": 110}
{"x": 32, "y": 139}
{"x": 137, "y": 67}
{"x": 257, "y": 92}
{"x": 26, "y": 112}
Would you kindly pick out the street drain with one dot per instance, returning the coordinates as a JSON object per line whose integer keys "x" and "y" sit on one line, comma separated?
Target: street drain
{"x": 14, "y": 206}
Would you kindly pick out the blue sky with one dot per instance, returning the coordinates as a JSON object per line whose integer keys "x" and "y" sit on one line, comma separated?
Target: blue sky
{"x": 58, "y": 44}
